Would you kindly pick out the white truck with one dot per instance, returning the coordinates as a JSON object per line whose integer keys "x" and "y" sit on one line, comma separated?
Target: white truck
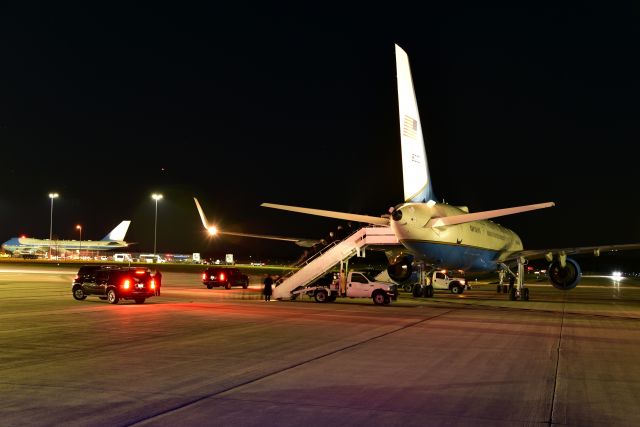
{"x": 441, "y": 279}
{"x": 357, "y": 284}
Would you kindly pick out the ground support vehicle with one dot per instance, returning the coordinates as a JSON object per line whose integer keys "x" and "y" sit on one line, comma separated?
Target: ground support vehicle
{"x": 357, "y": 285}
{"x": 440, "y": 279}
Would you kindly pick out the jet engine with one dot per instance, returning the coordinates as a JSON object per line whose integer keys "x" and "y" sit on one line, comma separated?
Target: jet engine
{"x": 567, "y": 277}
{"x": 400, "y": 268}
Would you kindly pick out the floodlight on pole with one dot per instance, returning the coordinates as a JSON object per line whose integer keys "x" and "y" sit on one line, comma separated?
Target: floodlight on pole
{"x": 155, "y": 197}
{"x": 79, "y": 228}
{"x": 51, "y": 196}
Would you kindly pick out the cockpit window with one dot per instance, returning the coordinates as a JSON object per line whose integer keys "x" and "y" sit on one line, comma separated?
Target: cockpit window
{"x": 396, "y": 215}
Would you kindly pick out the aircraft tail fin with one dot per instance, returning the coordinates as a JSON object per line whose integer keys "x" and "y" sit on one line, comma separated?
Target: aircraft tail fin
{"x": 119, "y": 232}
{"x": 415, "y": 171}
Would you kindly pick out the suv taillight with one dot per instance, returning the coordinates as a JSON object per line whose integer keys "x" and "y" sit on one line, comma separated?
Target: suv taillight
{"x": 126, "y": 283}
{"x": 222, "y": 277}
{"x": 204, "y": 276}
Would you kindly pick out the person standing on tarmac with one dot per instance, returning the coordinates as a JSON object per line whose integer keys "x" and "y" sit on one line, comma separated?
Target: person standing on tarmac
{"x": 157, "y": 278}
{"x": 268, "y": 283}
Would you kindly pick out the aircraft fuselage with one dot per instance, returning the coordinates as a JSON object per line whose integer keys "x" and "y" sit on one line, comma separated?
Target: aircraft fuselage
{"x": 472, "y": 246}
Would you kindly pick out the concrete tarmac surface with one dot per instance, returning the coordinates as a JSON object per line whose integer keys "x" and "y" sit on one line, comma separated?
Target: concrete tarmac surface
{"x": 195, "y": 356}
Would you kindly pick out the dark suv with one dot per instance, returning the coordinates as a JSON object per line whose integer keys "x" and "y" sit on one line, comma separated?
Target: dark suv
{"x": 113, "y": 283}
{"x": 224, "y": 276}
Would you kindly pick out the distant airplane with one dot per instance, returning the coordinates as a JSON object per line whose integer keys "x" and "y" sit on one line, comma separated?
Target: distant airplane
{"x": 438, "y": 235}
{"x": 29, "y": 247}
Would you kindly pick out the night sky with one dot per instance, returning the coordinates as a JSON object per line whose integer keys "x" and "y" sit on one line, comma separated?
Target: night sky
{"x": 239, "y": 105}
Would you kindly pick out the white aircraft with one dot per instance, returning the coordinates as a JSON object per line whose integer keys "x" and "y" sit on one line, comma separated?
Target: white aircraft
{"x": 40, "y": 247}
{"x": 444, "y": 236}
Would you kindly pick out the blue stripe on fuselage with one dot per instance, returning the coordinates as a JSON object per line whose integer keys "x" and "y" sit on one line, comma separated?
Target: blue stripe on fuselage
{"x": 454, "y": 256}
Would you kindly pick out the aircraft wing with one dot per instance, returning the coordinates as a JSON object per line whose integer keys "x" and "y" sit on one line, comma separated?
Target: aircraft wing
{"x": 305, "y": 243}
{"x": 594, "y": 250}
{"x": 376, "y": 220}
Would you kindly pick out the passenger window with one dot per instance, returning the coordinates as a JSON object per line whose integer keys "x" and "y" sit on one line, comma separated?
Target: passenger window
{"x": 102, "y": 276}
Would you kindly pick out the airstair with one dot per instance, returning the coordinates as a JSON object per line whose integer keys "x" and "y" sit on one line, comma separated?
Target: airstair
{"x": 325, "y": 260}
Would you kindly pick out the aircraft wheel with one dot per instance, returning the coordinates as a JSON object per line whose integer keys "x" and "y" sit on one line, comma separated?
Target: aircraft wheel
{"x": 525, "y": 294}
{"x": 499, "y": 289}
{"x": 417, "y": 290}
{"x": 428, "y": 291}
{"x": 512, "y": 294}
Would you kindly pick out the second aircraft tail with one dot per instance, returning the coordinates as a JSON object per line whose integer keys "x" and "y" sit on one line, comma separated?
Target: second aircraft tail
{"x": 119, "y": 232}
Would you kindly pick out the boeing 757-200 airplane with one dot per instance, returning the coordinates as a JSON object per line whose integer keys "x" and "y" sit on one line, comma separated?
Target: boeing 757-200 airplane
{"x": 436, "y": 235}
{"x": 444, "y": 236}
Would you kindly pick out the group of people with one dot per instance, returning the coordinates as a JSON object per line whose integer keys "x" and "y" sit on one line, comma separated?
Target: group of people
{"x": 340, "y": 233}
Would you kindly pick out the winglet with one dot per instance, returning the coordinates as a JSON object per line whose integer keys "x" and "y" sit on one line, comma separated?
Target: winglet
{"x": 201, "y": 212}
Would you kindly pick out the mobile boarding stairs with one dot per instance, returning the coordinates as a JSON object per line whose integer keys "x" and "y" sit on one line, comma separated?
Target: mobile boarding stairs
{"x": 324, "y": 261}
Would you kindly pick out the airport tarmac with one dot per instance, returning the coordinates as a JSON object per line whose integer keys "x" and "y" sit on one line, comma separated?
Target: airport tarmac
{"x": 195, "y": 356}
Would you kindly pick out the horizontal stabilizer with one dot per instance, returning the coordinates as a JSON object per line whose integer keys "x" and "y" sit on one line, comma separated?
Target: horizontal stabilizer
{"x": 331, "y": 214}
{"x": 476, "y": 216}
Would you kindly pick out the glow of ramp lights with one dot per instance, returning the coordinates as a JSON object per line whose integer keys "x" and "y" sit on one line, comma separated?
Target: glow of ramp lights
{"x": 431, "y": 203}
{"x": 616, "y": 275}
{"x": 212, "y": 230}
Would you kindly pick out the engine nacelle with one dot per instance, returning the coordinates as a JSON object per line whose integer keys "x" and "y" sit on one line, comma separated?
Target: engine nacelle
{"x": 400, "y": 268}
{"x": 565, "y": 278}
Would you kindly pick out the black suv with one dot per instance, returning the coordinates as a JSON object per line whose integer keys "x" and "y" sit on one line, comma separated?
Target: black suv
{"x": 113, "y": 283}
{"x": 224, "y": 276}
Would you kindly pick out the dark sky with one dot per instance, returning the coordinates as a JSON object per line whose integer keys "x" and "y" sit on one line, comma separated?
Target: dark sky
{"x": 240, "y": 105}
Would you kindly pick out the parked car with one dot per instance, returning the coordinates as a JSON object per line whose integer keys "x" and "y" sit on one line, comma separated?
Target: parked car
{"x": 225, "y": 277}
{"x": 113, "y": 283}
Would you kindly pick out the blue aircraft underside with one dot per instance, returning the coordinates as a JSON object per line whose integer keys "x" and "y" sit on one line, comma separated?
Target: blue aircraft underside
{"x": 454, "y": 256}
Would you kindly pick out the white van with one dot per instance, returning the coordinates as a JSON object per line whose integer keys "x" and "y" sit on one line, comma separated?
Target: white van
{"x": 122, "y": 257}
{"x": 149, "y": 258}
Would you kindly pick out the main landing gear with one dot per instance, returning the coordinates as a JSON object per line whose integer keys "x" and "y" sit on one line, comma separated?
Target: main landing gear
{"x": 519, "y": 291}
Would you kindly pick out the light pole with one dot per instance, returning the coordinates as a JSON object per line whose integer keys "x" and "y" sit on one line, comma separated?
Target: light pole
{"x": 155, "y": 197}
{"x": 51, "y": 196}
{"x": 79, "y": 228}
